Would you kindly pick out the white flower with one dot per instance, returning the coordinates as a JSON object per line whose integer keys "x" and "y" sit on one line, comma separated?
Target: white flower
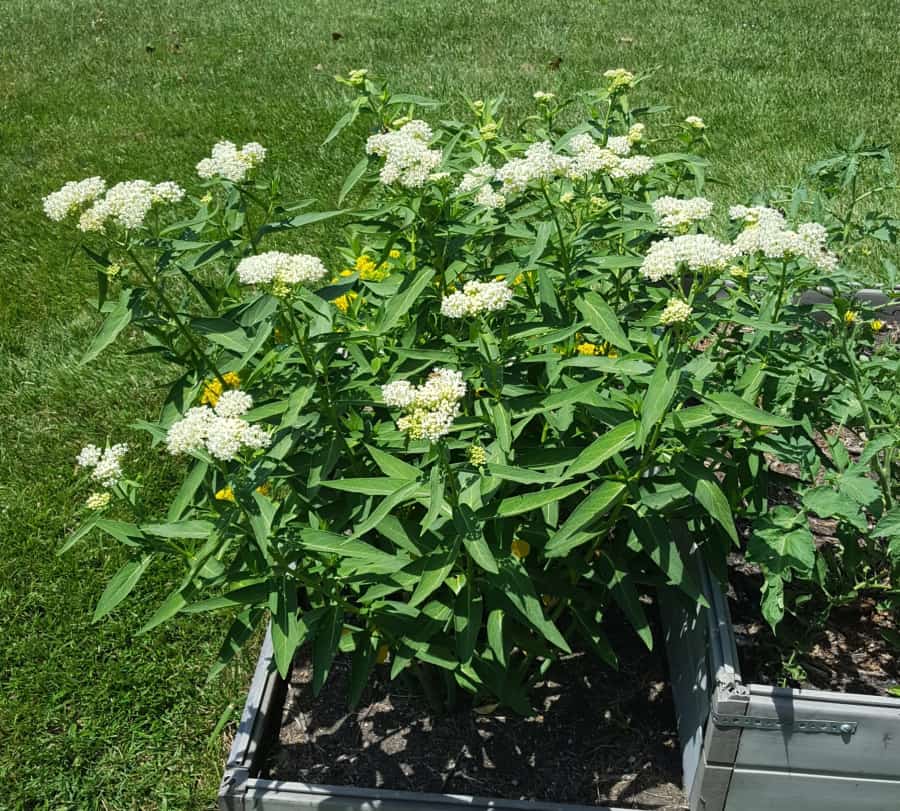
{"x": 675, "y": 312}
{"x": 619, "y": 144}
{"x": 635, "y": 133}
{"x": 431, "y": 407}
{"x": 539, "y": 164}
{"x": 620, "y": 78}
{"x": 635, "y": 166}
{"x": 105, "y": 465}
{"x": 97, "y": 501}
{"x": 231, "y": 163}
{"x": 695, "y": 121}
{"x": 408, "y": 159}
{"x": 399, "y": 394}
{"x": 694, "y": 251}
{"x": 589, "y": 158}
{"x": 275, "y": 266}
{"x": 233, "y": 403}
{"x": 221, "y": 432}
{"x": 765, "y": 232}
{"x": 542, "y": 97}
{"x": 478, "y": 180}
{"x": 128, "y": 203}
{"x": 189, "y": 433}
{"x": 72, "y": 196}
{"x": 677, "y": 215}
{"x": 89, "y": 456}
{"x": 477, "y": 297}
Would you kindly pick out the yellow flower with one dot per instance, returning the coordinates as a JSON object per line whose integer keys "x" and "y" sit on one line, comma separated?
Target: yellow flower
{"x": 343, "y": 302}
{"x": 113, "y": 270}
{"x": 587, "y": 348}
{"x": 877, "y": 325}
{"x": 382, "y": 656}
{"x": 212, "y": 390}
{"x": 347, "y": 272}
{"x": 97, "y": 501}
{"x": 738, "y": 272}
{"x": 225, "y": 494}
{"x": 850, "y": 317}
{"x": 264, "y": 489}
{"x": 394, "y": 254}
{"x": 520, "y": 549}
{"x": 364, "y": 263}
{"x": 477, "y": 455}
{"x": 206, "y": 199}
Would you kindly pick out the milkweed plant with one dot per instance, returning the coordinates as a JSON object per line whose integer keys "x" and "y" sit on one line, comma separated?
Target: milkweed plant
{"x": 537, "y": 375}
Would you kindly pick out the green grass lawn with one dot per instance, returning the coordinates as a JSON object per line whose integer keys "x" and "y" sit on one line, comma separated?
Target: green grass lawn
{"x": 91, "y": 716}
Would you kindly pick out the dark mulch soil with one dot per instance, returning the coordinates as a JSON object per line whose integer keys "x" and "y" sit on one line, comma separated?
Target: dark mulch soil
{"x": 601, "y": 736}
{"x": 855, "y": 651}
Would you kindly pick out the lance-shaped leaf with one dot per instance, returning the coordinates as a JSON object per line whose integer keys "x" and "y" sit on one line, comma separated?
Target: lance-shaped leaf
{"x": 603, "y": 448}
{"x": 596, "y": 504}
{"x": 729, "y": 403}
{"x": 603, "y": 320}
{"x": 702, "y": 484}
{"x": 519, "y": 592}
{"x": 116, "y": 320}
{"x": 120, "y": 586}
{"x": 526, "y": 502}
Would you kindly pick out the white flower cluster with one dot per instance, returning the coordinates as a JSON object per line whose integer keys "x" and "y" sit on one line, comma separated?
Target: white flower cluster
{"x": 478, "y": 180}
{"x": 590, "y": 158}
{"x": 543, "y": 97}
{"x": 635, "y": 133}
{"x": 765, "y": 232}
{"x": 104, "y": 464}
{"x": 72, "y": 196}
{"x": 430, "y": 408}
{"x": 128, "y": 203}
{"x": 283, "y": 268}
{"x": 231, "y": 163}
{"x": 477, "y": 297}
{"x": 694, "y": 251}
{"x": 539, "y": 164}
{"x": 219, "y": 430}
{"x": 677, "y": 215}
{"x": 696, "y": 122}
{"x": 408, "y": 160}
{"x": 676, "y": 311}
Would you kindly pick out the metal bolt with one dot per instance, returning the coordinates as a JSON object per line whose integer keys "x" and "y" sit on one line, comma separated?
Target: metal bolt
{"x": 846, "y": 729}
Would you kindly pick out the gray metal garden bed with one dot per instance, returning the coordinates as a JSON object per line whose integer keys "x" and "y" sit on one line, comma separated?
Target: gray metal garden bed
{"x": 744, "y": 747}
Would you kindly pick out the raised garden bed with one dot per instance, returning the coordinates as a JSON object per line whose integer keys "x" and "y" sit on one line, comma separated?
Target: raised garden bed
{"x": 743, "y": 746}
{"x": 636, "y": 754}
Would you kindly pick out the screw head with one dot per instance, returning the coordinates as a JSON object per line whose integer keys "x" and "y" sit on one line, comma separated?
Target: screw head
{"x": 846, "y": 729}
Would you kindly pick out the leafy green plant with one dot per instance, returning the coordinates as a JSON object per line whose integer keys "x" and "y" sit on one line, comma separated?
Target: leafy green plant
{"x": 526, "y": 387}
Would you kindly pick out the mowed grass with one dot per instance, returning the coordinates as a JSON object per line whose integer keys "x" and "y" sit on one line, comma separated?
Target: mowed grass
{"x": 92, "y": 716}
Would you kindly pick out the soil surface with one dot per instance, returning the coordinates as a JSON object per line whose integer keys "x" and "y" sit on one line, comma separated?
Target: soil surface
{"x": 601, "y": 736}
{"x": 854, "y": 651}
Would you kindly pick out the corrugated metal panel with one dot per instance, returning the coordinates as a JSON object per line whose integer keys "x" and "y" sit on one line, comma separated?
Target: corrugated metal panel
{"x": 762, "y": 790}
{"x": 872, "y": 751}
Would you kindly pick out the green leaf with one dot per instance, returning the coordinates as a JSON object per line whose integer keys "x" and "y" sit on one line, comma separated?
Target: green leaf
{"x": 526, "y": 502}
{"x": 595, "y": 505}
{"x": 395, "y": 499}
{"x": 361, "y": 665}
{"x": 239, "y": 632}
{"x": 729, "y": 403}
{"x": 467, "y": 623}
{"x": 391, "y": 465}
{"x": 544, "y": 229}
{"x": 495, "y": 635}
{"x": 703, "y": 486}
{"x": 621, "y": 586}
{"x": 116, "y": 320}
{"x": 325, "y": 645}
{"x": 120, "y": 586}
{"x": 366, "y": 555}
{"x": 470, "y": 530}
{"x": 186, "y": 492}
{"x": 521, "y": 475}
{"x": 603, "y": 320}
{"x": 502, "y": 427}
{"x": 863, "y": 490}
{"x": 435, "y": 498}
{"x": 436, "y": 567}
{"x": 287, "y": 632}
{"x": 344, "y": 121}
{"x": 657, "y": 398}
{"x": 779, "y": 548}
{"x": 400, "y": 304}
{"x": 519, "y": 592}
{"x": 169, "y": 608}
{"x": 180, "y": 529}
{"x": 772, "y": 604}
{"x": 373, "y": 486}
{"x": 353, "y": 178}
{"x": 889, "y": 525}
{"x": 600, "y": 450}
